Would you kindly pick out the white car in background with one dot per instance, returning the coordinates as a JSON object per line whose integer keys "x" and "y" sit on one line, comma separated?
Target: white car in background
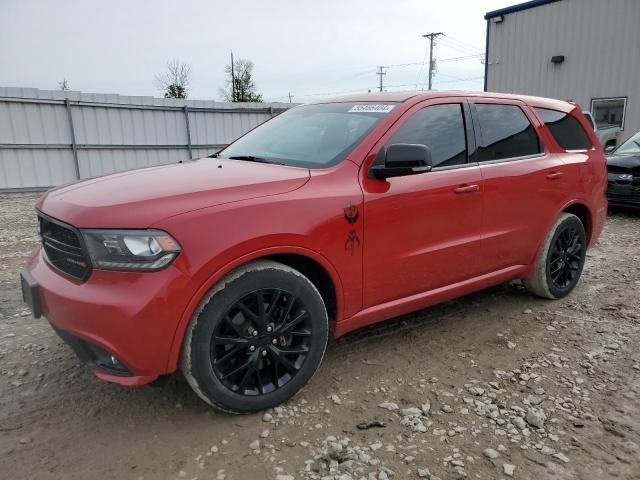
{"x": 607, "y": 134}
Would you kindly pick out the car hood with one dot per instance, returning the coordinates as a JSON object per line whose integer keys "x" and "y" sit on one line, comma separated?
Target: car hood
{"x": 140, "y": 198}
{"x": 623, "y": 162}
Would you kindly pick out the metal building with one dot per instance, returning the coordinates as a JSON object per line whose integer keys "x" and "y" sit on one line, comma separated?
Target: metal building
{"x": 586, "y": 51}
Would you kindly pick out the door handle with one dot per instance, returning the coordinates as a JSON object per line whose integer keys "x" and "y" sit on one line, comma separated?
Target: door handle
{"x": 554, "y": 175}
{"x": 467, "y": 189}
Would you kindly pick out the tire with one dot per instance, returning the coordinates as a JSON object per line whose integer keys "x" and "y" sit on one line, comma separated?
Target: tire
{"x": 561, "y": 259}
{"x": 257, "y": 338}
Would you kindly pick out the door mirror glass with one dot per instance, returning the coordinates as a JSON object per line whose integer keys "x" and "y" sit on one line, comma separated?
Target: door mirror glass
{"x": 403, "y": 159}
{"x": 609, "y": 149}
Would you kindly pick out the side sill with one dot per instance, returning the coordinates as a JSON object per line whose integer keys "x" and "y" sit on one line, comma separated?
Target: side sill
{"x": 422, "y": 300}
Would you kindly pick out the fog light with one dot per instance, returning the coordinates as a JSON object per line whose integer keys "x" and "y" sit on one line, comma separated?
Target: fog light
{"x": 107, "y": 361}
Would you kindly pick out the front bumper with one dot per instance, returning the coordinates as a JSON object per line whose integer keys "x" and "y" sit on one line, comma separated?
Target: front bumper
{"x": 128, "y": 315}
{"x": 625, "y": 194}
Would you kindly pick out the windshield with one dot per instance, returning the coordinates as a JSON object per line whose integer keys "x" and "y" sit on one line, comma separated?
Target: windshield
{"x": 311, "y": 136}
{"x": 630, "y": 147}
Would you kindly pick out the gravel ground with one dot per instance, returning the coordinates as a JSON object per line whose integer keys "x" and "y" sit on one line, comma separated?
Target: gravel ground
{"x": 494, "y": 385}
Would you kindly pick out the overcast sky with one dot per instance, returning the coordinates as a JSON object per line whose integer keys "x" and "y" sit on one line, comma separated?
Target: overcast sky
{"x": 309, "y": 48}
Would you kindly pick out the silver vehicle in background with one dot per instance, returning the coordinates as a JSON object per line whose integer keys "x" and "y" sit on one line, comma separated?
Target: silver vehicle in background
{"x": 607, "y": 134}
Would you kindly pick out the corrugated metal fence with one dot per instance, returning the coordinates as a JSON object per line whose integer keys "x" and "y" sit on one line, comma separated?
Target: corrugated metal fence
{"x": 49, "y": 138}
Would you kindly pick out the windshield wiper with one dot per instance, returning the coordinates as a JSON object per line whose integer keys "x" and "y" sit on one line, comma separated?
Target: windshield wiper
{"x": 252, "y": 158}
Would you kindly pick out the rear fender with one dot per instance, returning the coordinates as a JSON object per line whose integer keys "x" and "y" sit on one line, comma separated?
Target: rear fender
{"x": 588, "y": 228}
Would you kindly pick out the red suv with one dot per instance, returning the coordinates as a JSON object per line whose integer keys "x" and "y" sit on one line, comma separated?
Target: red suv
{"x": 331, "y": 216}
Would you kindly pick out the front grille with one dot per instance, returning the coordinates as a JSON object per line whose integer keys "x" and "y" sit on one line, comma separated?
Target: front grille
{"x": 63, "y": 247}
{"x": 617, "y": 170}
{"x": 616, "y": 196}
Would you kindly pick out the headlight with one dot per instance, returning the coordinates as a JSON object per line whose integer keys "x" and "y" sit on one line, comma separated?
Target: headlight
{"x": 139, "y": 250}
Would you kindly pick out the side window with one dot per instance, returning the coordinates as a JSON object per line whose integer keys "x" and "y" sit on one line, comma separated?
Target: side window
{"x": 565, "y": 129}
{"x": 506, "y": 133}
{"x": 439, "y": 127}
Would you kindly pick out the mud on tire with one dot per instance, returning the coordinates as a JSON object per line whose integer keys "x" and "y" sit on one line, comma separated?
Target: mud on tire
{"x": 561, "y": 259}
{"x": 258, "y": 337}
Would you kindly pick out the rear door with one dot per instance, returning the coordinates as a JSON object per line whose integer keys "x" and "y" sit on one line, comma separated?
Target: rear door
{"x": 523, "y": 182}
{"x": 423, "y": 231}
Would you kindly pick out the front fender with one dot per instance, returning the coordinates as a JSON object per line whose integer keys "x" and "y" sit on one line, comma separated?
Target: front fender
{"x": 221, "y": 272}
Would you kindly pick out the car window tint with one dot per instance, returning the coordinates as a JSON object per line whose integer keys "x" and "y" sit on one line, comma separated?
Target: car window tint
{"x": 439, "y": 127}
{"x": 506, "y": 133}
{"x": 565, "y": 129}
{"x": 311, "y": 136}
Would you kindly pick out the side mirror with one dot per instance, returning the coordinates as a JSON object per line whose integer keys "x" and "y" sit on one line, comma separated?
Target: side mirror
{"x": 609, "y": 149}
{"x": 403, "y": 159}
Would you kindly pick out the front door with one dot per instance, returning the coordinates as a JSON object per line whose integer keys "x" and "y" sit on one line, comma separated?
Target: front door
{"x": 422, "y": 232}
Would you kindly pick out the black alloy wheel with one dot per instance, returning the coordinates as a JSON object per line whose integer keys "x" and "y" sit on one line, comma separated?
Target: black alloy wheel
{"x": 262, "y": 342}
{"x": 566, "y": 258}
{"x": 560, "y": 260}
{"x": 257, "y": 338}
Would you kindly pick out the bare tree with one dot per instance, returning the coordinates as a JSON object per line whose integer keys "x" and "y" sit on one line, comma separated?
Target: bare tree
{"x": 63, "y": 85}
{"x": 240, "y": 85}
{"x": 174, "y": 83}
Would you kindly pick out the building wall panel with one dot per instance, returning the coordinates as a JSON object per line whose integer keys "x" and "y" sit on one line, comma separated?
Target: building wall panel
{"x": 112, "y": 133}
{"x": 601, "y": 44}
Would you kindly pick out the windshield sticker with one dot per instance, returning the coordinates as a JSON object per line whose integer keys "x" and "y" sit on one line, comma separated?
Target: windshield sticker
{"x": 371, "y": 108}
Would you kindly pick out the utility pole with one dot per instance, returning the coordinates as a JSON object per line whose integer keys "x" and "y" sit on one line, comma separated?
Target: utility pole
{"x": 233, "y": 81}
{"x": 432, "y": 37}
{"x": 290, "y": 97}
{"x": 381, "y": 73}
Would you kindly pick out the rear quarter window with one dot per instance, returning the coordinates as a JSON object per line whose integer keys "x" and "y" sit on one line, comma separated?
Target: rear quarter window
{"x": 565, "y": 128}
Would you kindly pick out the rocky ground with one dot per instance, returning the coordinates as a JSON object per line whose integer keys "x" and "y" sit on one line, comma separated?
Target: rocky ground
{"x": 495, "y": 385}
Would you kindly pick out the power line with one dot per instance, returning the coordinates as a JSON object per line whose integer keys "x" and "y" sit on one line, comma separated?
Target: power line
{"x": 359, "y": 90}
{"x": 458, "y": 48}
{"x": 459, "y": 59}
{"x": 402, "y": 85}
{"x": 456, "y": 80}
{"x": 359, "y": 73}
{"x": 453, "y": 77}
{"x": 382, "y": 72}
{"x": 468, "y": 79}
{"x": 404, "y": 64}
{"x": 423, "y": 62}
{"x": 432, "y": 37}
{"x": 463, "y": 44}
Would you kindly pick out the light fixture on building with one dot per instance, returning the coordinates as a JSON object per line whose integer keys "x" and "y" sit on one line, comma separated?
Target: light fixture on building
{"x": 498, "y": 19}
{"x": 557, "y": 59}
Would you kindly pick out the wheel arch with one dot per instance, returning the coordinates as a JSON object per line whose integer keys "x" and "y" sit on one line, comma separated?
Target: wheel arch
{"x": 576, "y": 207}
{"x": 580, "y": 210}
{"x": 311, "y": 264}
{"x": 316, "y": 273}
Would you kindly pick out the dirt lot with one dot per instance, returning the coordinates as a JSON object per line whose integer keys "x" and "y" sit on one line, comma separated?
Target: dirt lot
{"x": 494, "y": 385}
